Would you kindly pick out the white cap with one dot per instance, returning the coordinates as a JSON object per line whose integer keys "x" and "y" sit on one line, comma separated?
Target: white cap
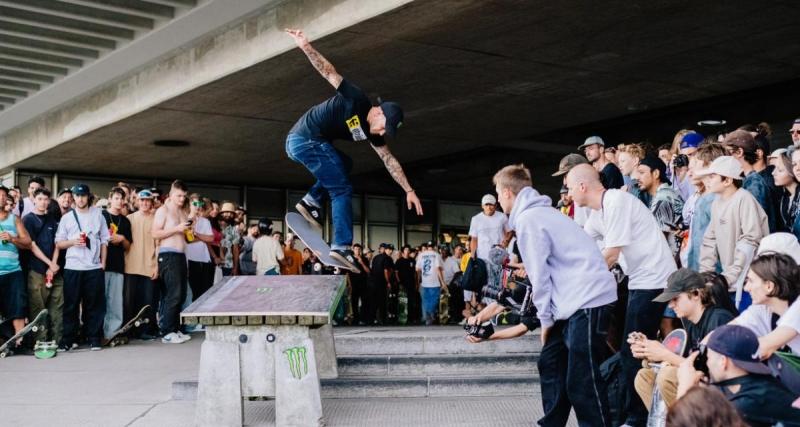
{"x": 726, "y": 166}
{"x": 782, "y": 243}
{"x": 488, "y": 200}
{"x": 776, "y": 153}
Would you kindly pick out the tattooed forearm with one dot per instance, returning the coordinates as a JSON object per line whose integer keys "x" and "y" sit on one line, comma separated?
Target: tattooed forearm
{"x": 394, "y": 168}
{"x": 322, "y": 65}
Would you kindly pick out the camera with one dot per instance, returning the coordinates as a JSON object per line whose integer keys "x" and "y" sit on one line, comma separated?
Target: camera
{"x": 482, "y": 331}
{"x": 701, "y": 362}
{"x": 680, "y": 161}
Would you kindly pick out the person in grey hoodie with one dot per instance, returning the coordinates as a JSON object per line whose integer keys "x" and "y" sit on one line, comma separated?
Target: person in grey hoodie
{"x": 572, "y": 291}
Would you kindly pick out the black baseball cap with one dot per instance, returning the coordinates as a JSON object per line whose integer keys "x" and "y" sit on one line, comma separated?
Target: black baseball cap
{"x": 739, "y": 344}
{"x": 654, "y": 163}
{"x": 80, "y": 190}
{"x": 394, "y": 117}
{"x": 683, "y": 280}
{"x": 64, "y": 190}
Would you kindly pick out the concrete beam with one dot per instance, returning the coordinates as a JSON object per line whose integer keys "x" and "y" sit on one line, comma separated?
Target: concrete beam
{"x": 63, "y": 22}
{"x": 141, "y": 7}
{"x": 40, "y": 57}
{"x": 80, "y": 12}
{"x": 27, "y": 65}
{"x": 210, "y": 56}
{"x": 8, "y": 92}
{"x": 27, "y": 42}
{"x": 25, "y": 75}
{"x": 59, "y": 35}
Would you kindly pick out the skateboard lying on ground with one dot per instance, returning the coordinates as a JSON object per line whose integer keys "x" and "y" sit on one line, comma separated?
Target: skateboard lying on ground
{"x": 675, "y": 342}
{"x": 45, "y": 349}
{"x": 32, "y": 326}
{"x": 117, "y": 338}
{"x": 310, "y": 237}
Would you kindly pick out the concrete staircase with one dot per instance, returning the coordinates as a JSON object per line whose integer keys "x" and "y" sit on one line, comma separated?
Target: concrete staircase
{"x": 422, "y": 362}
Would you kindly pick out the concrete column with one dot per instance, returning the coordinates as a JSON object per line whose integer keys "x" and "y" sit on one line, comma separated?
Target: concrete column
{"x": 219, "y": 393}
{"x": 297, "y": 389}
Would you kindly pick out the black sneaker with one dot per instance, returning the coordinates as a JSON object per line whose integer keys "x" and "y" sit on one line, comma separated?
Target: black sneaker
{"x": 312, "y": 214}
{"x": 346, "y": 257}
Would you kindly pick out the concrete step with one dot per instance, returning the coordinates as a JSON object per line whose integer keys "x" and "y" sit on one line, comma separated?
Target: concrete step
{"x": 352, "y": 341}
{"x": 435, "y": 364}
{"x": 498, "y": 384}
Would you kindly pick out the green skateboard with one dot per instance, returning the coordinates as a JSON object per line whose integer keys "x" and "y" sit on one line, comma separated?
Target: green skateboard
{"x": 45, "y": 349}
{"x": 402, "y": 307}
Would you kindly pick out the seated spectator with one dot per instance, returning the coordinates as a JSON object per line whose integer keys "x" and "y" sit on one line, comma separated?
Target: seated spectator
{"x": 734, "y": 369}
{"x": 704, "y": 407}
{"x": 691, "y": 296}
{"x": 774, "y": 316}
{"x": 789, "y": 200}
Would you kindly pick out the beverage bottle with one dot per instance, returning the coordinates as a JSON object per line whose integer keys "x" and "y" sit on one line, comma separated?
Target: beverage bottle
{"x": 83, "y": 237}
{"x": 49, "y": 282}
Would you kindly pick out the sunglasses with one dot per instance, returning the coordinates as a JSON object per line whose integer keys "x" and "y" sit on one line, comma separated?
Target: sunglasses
{"x": 794, "y": 131}
{"x": 198, "y": 203}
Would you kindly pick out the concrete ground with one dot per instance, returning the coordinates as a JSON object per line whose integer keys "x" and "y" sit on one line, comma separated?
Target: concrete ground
{"x": 131, "y": 386}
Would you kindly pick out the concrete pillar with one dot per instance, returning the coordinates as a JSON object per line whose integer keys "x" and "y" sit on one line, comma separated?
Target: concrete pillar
{"x": 297, "y": 389}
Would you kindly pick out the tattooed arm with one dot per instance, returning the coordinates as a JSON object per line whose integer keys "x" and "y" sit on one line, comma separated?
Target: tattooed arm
{"x": 396, "y": 171}
{"x": 317, "y": 60}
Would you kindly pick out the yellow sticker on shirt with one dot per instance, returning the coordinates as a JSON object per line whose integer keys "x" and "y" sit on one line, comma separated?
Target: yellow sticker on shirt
{"x": 354, "y": 124}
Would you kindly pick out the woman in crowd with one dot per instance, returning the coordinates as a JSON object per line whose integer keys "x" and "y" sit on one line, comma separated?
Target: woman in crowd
{"x": 789, "y": 200}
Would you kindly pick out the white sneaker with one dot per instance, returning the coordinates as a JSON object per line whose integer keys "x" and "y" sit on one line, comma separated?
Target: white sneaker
{"x": 184, "y": 337}
{"x": 172, "y": 338}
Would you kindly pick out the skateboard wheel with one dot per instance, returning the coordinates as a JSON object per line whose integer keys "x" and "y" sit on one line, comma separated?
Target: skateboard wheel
{"x": 3, "y": 355}
{"x": 137, "y": 323}
{"x": 113, "y": 344}
{"x": 243, "y": 338}
{"x": 35, "y": 329}
{"x": 270, "y": 338}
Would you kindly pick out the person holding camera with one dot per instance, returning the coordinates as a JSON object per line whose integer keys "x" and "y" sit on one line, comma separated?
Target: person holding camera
{"x": 572, "y": 291}
{"x": 692, "y": 297}
{"x": 730, "y": 362}
{"x": 84, "y": 235}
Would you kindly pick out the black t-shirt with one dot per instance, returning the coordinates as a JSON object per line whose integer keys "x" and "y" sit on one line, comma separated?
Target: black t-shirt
{"x": 342, "y": 116}
{"x": 712, "y": 318}
{"x": 611, "y": 177}
{"x": 380, "y": 263}
{"x": 42, "y": 229}
{"x": 115, "y": 260}
{"x": 761, "y": 400}
{"x": 406, "y": 271}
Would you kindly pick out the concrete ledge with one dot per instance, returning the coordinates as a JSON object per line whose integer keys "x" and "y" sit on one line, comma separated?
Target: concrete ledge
{"x": 449, "y": 343}
{"x": 464, "y": 364}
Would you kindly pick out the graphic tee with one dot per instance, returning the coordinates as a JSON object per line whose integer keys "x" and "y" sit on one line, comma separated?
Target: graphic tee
{"x": 342, "y": 116}
{"x": 428, "y": 264}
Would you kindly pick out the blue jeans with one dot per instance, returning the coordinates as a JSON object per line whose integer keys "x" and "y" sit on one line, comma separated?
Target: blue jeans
{"x": 331, "y": 168}
{"x": 569, "y": 368}
{"x": 430, "y": 302}
{"x": 274, "y": 271}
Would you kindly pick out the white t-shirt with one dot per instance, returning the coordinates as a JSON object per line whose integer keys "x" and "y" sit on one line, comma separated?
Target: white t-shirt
{"x": 451, "y": 267}
{"x": 580, "y": 214}
{"x": 626, "y": 222}
{"x": 197, "y": 251}
{"x": 94, "y": 225}
{"x": 428, "y": 264}
{"x": 266, "y": 253}
{"x": 758, "y": 318}
{"x": 490, "y": 231}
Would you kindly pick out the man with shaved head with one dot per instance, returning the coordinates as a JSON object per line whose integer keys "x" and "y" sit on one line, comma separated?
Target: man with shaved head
{"x": 627, "y": 227}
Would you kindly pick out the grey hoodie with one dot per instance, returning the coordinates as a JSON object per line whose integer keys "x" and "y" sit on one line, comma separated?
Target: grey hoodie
{"x": 563, "y": 263}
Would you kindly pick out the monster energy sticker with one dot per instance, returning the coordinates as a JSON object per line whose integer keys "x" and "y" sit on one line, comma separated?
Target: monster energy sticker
{"x": 298, "y": 362}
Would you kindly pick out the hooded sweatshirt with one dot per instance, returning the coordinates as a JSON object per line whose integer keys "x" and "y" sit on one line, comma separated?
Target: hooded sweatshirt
{"x": 564, "y": 265}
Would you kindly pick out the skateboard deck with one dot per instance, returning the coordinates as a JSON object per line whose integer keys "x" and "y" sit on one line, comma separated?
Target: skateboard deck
{"x": 402, "y": 308}
{"x": 310, "y": 237}
{"x": 392, "y": 305}
{"x": 138, "y": 320}
{"x": 444, "y": 307}
{"x": 675, "y": 342}
{"x": 32, "y": 326}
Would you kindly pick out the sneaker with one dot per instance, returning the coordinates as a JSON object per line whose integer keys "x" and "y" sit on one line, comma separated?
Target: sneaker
{"x": 312, "y": 214}
{"x": 64, "y": 348}
{"x": 95, "y": 346}
{"x": 344, "y": 256}
{"x": 172, "y": 338}
{"x": 147, "y": 337}
{"x": 184, "y": 337}
{"x": 462, "y": 322}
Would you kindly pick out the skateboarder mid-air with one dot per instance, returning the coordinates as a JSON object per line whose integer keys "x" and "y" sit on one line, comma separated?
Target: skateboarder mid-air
{"x": 347, "y": 115}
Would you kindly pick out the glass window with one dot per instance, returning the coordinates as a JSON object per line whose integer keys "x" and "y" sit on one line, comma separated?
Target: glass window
{"x": 265, "y": 203}
{"x": 381, "y": 209}
{"x": 99, "y": 186}
{"x": 428, "y": 210}
{"x": 22, "y": 181}
{"x": 456, "y": 214}
{"x": 381, "y": 234}
{"x": 357, "y": 233}
{"x": 219, "y": 193}
{"x": 416, "y": 238}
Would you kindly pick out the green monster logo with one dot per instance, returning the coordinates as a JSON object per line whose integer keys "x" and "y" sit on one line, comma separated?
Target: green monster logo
{"x": 298, "y": 363}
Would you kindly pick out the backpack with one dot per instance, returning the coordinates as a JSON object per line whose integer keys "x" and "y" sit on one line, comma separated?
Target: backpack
{"x": 475, "y": 277}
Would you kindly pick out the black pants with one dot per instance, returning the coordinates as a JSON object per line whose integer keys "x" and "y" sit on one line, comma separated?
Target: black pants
{"x": 172, "y": 270}
{"x": 201, "y": 278}
{"x": 377, "y": 302}
{"x": 358, "y": 297}
{"x": 569, "y": 367}
{"x": 642, "y": 315}
{"x": 85, "y": 290}
{"x": 414, "y": 303}
{"x": 139, "y": 292}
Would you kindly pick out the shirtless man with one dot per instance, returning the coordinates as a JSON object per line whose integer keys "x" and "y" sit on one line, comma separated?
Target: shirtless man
{"x": 169, "y": 225}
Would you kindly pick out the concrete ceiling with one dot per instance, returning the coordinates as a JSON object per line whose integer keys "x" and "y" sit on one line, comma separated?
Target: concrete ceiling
{"x": 43, "y": 41}
{"x": 484, "y": 83}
